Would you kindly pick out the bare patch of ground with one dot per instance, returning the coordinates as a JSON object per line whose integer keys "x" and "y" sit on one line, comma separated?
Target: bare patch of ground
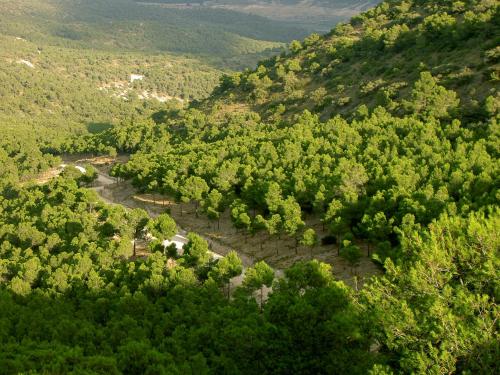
{"x": 279, "y": 252}
{"x": 122, "y": 89}
{"x": 29, "y": 64}
{"x": 46, "y": 176}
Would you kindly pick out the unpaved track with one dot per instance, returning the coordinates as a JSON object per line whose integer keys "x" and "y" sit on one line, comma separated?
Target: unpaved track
{"x": 104, "y": 186}
{"x": 279, "y": 253}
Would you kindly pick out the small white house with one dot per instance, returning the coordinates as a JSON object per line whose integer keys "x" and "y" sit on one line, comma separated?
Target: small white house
{"x": 136, "y": 77}
{"x": 29, "y": 64}
{"x": 179, "y": 242}
{"x": 81, "y": 169}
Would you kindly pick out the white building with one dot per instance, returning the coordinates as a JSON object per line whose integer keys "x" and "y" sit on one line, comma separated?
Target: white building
{"x": 136, "y": 77}
{"x": 179, "y": 242}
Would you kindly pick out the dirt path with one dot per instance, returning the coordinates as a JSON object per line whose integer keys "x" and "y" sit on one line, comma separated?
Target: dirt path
{"x": 113, "y": 192}
{"x": 280, "y": 253}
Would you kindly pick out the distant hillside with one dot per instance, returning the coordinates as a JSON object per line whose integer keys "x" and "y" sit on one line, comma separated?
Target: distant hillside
{"x": 223, "y": 37}
{"x": 39, "y": 81}
{"x": 337, "y": 4}
{"x": 314, "y": 15}
{"x": 66, "y": 64}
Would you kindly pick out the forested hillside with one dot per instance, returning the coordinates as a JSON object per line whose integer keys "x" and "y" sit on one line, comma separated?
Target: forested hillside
{"x": 379, "y": 140}
{"x": 375, "y": 59}
{"x": 66, "y": 89}
{"x": 73, "y": 301}
{"x": 69, "y": 66}
{"x": 339, "y": 131}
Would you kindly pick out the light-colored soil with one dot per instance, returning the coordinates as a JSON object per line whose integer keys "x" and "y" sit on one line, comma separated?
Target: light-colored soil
{"x": 48, "y": 175}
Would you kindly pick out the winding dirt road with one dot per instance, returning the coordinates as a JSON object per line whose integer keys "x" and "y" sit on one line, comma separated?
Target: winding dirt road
{"x": 105, "y": 185}
{"x": 279, "y": 253}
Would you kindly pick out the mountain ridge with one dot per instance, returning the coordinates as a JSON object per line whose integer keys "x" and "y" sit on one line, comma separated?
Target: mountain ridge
{"x": 398, "y": 49}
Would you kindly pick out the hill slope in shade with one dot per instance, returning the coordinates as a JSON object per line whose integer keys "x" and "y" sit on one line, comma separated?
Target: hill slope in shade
{"x": 314, "y": 15}
{"x": 226, "y": 38}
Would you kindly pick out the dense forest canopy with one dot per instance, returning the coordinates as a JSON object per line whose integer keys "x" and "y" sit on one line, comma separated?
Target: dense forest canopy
{"x": 72, "y": 302}
{"x": 287, "y": 140}
{"x": 384, "y": 132}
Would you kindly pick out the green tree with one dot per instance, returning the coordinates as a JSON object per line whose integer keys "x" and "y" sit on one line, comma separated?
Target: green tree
{"x": 351, "y": 253}
{"x": 337, "y": 221}
{"x": 295, "y": 46}
{"x": 273, "y": 197}
{"x": 162, "y": 227}
{"x": 213, "y": 205}
{"x": 430, "y": 99}
{"x": 309, "y": 239}
{"x": 259, "y": 224}
{"x": 137, "y": 220}
{"x": 225, "y": 269}
{"x": 239, "y": 215}
{"x": 376, "y": 228}
{"x": 292, "y": 218}
{"x": 196, "y": 252}
{"x": 274, "y": 225}
{"x": 257, "y": 277}
{"x": 419, "y": 305}
{"x": 194, "y": 188}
